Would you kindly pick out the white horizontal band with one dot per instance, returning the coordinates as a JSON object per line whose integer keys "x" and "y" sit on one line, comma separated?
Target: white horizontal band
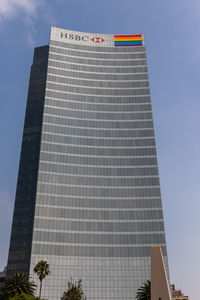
{"x": 99, "y": 232}
{"x": 92, "y": 65}
{"x": 97, "y": 156}
{"x": 97, "y": 58}
{"x": 97, "y": 80}
{"x": 132, "y": 198}
{"x": 94, "y": 245}
{"x": 97, "y": 166}
{"x": 100, "y": 186}
{"x": 98, "y": 103}
{"x": 110, "y": 73}
{"x": 97, "y": 87}
{"x": 102, "y": 96}
{"x": 98, "y": 209}
{"x": 96, "y": 120}
{"x": 96, "y": 176}
{"x": 97, "y": 111}
{"x": 88, "y": 146}
{"x": 97, "y": 128}
{"x": 97, "y": 137}
{"x": 100, "y": 220}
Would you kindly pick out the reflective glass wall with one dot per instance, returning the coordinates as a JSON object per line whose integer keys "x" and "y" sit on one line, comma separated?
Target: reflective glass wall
{"x": 23, "y": 217}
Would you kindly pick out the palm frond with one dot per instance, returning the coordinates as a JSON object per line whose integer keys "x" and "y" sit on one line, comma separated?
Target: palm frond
{"x": 144, "y": 292}
{"x": 19, "y": 283}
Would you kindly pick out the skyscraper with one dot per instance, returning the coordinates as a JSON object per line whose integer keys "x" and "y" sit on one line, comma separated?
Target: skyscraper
{"x": 88, "y": 194}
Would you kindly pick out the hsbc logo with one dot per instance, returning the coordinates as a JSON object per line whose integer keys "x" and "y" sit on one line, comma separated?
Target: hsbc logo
{"x": 97, "y": 40}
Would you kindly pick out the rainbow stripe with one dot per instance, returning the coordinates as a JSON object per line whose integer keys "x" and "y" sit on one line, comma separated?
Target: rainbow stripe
{"x": 128, "y": 40}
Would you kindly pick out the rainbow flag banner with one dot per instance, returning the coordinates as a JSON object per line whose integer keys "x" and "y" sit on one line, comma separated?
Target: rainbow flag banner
{"x": 128, "y": 40}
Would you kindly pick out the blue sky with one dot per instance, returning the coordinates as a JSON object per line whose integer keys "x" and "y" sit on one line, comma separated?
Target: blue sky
{"x": 172, "y": 30}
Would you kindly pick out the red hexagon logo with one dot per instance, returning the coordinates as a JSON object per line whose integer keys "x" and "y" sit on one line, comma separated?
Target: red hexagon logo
{"x": 97, "y": 40}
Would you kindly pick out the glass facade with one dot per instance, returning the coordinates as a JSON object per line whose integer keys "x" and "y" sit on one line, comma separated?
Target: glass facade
{"x": 88, "y": 195}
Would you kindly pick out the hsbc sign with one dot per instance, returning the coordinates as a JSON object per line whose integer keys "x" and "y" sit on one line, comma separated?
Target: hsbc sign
{"x": 82, "y": 38}
{"x": 75, "y": 37}
{"x": 78, "y": 38}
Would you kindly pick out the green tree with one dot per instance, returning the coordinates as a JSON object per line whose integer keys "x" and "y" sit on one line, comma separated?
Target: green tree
{"x": 18, "y": 284}
{"x": 25, "y": 297}
{"x": 42, "y": 270}
{"x": 144, "y": 292}
{"x": 2, "y": 295}
{"x": 74, "y": 292}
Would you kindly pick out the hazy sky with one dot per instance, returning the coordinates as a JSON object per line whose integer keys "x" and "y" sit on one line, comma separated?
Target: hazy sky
{"x": 172, "y": 36}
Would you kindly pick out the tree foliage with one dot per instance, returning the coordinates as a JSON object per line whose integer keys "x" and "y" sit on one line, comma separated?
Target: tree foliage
{"x": 2, "y": 295}
{"x": 18, "y": 284}
{"x": 42, "y": 270}
{"x": 74, "y": 292}
{"x": 144, "y": 292}
{"x": 25, "y": 297}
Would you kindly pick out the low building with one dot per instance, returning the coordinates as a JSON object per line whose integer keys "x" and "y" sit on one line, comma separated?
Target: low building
{"x": 177, "y": 294}
{"x": 2, "y": 277}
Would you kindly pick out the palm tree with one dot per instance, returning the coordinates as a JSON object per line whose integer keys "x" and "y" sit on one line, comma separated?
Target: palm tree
{"x": 42, "y": 270}
{"x": 19, "y": 283}
{"x": 144, "y": 292}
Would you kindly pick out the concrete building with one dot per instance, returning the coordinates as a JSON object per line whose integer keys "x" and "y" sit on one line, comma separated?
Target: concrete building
{"x": 160, "y": 287}
{"x": 177, "y": 294}
{"x": 88, "y": 193}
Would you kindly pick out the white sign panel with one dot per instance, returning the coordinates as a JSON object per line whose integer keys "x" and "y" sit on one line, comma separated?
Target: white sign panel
{"x": 82, "y": 38}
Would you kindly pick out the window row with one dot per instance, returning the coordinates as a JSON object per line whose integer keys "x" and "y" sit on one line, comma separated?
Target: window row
{"x": 91, "y": 115}
{"x": 70, "y": 213}
{"x": 97, "y": 161}
{"x": 77, "y": 190}
{"x": 43, "y": 249}
{"x": 87, "y": 106}
{"x": 62, "y": 131}
{"x": 96, "y": 83}
{"x": 95, "y": 151}
{"x": 96, "y": 69}
{"x": 77, "y": 140}
{"x": 98, "y": 99}
{"x": 98, "y": 55}
{"x": 108, "y": 124}
{"x": 82, "y": 238}
{"x": 139, "y": 226}
{"x": 98, "y": 76}
{"x": 92, "y": 181}
{"x": 51, "y": 291}
{"x": 97, "y": 91}
{"x": 97, "y": 62}
{"x": 102, "y": 203}
{"x": 94, "y": 171}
